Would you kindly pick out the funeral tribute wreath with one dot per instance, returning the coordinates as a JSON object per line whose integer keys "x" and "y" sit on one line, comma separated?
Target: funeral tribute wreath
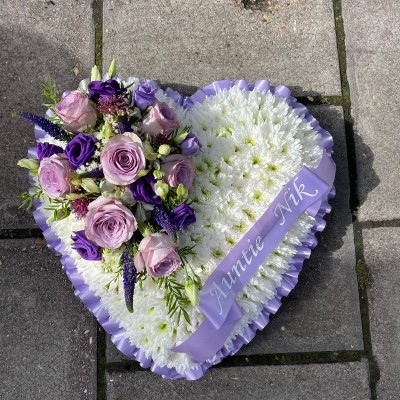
{"x": 181, "y": 221}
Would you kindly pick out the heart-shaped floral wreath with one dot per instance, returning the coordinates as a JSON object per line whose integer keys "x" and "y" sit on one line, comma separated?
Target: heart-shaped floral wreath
{"x": 181, "y": 221}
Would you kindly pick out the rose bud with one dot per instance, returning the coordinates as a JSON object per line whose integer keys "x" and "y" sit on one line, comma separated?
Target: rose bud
{"x": 157, "y": 253}
{"x": 178, "y": 169}
{"x": 76, "y": 111}
{"x": 55, "y": 174}
{"x": 161, "y": 118}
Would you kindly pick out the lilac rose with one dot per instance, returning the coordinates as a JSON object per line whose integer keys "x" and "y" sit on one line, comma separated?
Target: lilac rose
{"x": 80, "y": 149}
{"x": 45, "y": 150}
{"x": 84, "y": 247}
{"x": 191, "y": 145}
{"x": 178, "y": 168}
{"x": 109, "y": 223}
{"x": 145, "y": 94}
{"x": 161, "y": 118}
{"x": 97, "y": 89}
{"x": 122, "y": 159}
{"x": 157, "y": 253}
{"x": 55, "y": 174}
{"x": 76, "y": 111}
{"x": 182, "y": 216}
{"x": 143, "y": 190}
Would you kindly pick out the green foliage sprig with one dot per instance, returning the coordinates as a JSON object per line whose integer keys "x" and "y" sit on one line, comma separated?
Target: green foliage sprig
{"x": 28, "y": 198}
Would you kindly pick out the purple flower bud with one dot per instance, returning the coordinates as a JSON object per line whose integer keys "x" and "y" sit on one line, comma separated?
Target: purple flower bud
{"x": 143, "y": 190}
{"x": 191, "y": 145}
{"x": 182, "y": 216}
{"x": 47, "y": 150}
{"x": 80, "y": 149}
{"x": 107, "y": 88}
{"x": 144, "y": 95}
{"x": 85, "y": 248}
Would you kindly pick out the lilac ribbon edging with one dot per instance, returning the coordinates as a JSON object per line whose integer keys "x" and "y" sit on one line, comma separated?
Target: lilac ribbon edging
{"x": 288, "y": 280}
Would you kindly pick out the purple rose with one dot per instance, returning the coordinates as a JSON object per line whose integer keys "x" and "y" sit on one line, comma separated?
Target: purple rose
{"x": 76, "y": 111}
{"x": 55, "y": 174}
{"x": 80, "y": 149}
{"x": 84, "y": 247}
{"x": 109, "y": 88}
{"x": 161, "y": 118}
{"x": 122, "y": 158}
{"x": 191, "y": 145}
{"x": 182, "y": 216}
{"x": 109, "y": 223}
{"x": 144, "y": 95}
{"x": 143, "y": 190}
{"x": 157, "y": 253}
{"x": 178, "y": 168}
{"x": 45, "y": 150}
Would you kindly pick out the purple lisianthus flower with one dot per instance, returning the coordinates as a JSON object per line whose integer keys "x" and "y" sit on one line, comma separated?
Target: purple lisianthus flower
{"x": 191, "y": 145}
{"x": 182, "y": 216}
{"x": 84, "y": 247}
{"x": 80, "y": 149}
{"x": 145, "y": 94}
{"x": 47, "y": 150}
{"x": 143, "y": 190}
{"x": 96, "y": 89}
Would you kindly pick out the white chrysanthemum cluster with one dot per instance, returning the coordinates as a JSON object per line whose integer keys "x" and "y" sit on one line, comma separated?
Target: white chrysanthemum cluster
{"x": 253, "y": 143}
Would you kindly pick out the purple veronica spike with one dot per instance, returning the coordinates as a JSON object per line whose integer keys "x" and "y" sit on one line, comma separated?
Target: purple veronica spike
{"x": 51, "y": 128}
{"x": 161, "y": 215}
{"x": 129, "y": 277}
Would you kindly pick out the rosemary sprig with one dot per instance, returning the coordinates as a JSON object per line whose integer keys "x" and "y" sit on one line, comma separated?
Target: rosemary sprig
{"x": 28, "y": 198}
{"x": 50, "y": 92}
{"x": 61, "y": 208}
{"x": 175, "y": 297}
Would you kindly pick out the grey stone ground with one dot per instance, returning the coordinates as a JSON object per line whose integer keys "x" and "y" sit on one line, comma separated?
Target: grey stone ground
{"x": 337, "y": 335}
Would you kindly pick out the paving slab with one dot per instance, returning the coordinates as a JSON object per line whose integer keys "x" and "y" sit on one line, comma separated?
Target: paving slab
{"x": 382, "y": 253}
{"x": 323, "y": 312}
{"x": 48, "y": 339}
{"x": 186, "y": 44}
{"x": 373, "y": 45}
{"x": 37, "y": 38}
{"x": 300, "y": 382}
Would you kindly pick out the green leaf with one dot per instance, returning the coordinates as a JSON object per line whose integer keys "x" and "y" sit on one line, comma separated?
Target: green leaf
{"x": 50, "y": 92}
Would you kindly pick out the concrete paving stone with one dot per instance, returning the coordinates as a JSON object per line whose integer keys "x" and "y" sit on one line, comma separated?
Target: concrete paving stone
{"x": 373, "y": 45}
{"x": 48, "y": 339}
{"x": 37, "y": 39}
{"x": 287, "y": 382}
{"x": 323, "y": 312}
{"x": 186, "y": 44}
{"x": 382, "y": 253}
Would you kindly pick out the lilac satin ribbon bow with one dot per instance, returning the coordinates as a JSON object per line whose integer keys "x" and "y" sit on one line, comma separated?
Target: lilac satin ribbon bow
{"x": 303, "y": 193}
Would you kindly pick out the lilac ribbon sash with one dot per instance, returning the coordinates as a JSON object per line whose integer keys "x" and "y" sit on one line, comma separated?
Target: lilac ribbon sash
{"x": 304, "y": 192}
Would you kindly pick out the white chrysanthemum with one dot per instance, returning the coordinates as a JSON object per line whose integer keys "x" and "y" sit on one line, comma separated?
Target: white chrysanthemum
{"x": 253, "y": 143}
